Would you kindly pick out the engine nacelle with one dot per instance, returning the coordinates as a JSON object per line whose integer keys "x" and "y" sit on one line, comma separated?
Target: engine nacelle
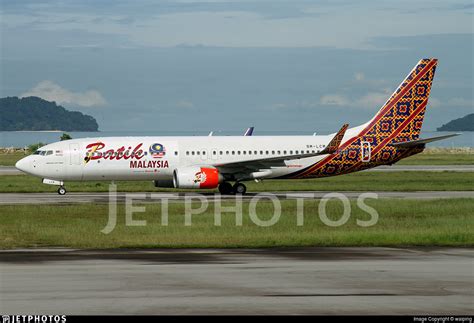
{"x": 196, "y": 177}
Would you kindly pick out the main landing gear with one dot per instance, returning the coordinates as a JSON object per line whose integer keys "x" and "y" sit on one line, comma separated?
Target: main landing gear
{"x": 227, "y": 189}
{"x": 61, "y": 190}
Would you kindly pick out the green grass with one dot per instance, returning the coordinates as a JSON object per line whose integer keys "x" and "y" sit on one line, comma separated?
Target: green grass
{"x": 10, "y": 159}
{"x": 401, "y": 223}
{"x": 363, "y": 181}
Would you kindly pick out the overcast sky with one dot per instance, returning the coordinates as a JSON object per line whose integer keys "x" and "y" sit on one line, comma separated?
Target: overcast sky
{"x": 224, "y": 65}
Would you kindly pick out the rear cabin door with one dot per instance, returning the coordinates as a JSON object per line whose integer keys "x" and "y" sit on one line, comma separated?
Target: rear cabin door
{"x": 366, "y": 151}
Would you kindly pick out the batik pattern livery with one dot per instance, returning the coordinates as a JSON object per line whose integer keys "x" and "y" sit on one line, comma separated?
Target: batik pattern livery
{"x": 400, "y": 119}
{"x": 333, "y": 145}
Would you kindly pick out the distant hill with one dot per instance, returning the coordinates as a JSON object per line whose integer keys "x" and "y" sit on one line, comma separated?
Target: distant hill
{"x": 462, "y": 124}
{"x": 35, "y": 114}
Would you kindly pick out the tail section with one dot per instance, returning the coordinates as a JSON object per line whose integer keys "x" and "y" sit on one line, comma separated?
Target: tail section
{"x": 401, "y": 117}
{"x": 378, "y": 141}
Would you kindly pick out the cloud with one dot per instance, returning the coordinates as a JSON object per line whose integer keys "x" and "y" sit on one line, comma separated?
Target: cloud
{"x": 461, "y": 102}
{"x": 51, "y": 91}
{"x": 371, "y": 100}
{"x": 334, "y": 99}
{"x": 185, "y": 104}
{"x": 434, "y": 102}
{"x": 359, "y": 76}
{"x": 298, "y": 105}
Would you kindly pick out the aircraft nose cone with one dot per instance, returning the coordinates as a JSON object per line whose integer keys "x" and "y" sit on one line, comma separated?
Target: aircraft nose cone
{"x": 23, "y": 165}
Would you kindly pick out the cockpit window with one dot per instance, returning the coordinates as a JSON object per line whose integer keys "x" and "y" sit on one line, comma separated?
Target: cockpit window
{"x": 43, "y": 152}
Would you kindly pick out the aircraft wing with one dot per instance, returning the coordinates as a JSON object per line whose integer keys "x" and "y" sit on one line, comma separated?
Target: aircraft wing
{"x": 263, "y": 163}
{"x": 408, "y": 144}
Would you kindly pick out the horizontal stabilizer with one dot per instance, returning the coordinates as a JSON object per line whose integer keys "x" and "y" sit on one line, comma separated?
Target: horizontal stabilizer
{"x": 407, "y": 144}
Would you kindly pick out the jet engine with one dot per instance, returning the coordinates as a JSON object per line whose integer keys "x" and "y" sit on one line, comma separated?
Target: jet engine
{"x": 196, "y": 177}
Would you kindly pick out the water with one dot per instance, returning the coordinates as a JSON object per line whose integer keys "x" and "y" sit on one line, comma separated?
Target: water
{"x": 24, "y": 138}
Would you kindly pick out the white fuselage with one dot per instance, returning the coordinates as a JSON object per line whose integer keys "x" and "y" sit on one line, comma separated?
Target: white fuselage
{"x": 65, "y": 160}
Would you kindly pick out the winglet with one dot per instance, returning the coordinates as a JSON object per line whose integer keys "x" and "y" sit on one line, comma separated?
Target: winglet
{"x": 336, "y": 141}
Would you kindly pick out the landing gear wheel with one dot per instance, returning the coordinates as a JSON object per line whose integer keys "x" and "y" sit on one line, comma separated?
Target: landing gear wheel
{"x": 61, "y": 190}
{"x": 225, "y": 188}
{"x": 240, "y": 188}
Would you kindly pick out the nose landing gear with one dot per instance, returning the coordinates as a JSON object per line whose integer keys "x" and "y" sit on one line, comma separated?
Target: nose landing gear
{"x": 61, "y": 190}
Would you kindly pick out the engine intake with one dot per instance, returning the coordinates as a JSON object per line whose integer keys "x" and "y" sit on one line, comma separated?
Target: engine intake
{"x": 196, "y": 177}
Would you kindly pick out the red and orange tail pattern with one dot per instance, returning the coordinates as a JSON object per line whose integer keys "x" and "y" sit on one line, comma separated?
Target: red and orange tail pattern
{"x": 400, "y": 119}
{"x": 402, "y": 115}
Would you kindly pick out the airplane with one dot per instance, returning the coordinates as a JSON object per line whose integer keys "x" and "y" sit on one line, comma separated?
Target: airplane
{"x": 249, "y": 131}
{"x": 209, "y": 162}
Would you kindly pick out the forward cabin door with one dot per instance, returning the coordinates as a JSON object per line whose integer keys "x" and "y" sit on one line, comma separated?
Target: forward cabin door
{"x": 75, "y": 166}
{"x": 74, "y": 154}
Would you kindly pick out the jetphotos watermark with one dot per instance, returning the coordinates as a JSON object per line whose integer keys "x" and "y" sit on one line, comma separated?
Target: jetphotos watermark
{"x": 198, "y": 204}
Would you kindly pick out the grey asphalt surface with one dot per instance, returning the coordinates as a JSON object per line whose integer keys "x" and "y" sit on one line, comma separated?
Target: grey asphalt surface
{"x": 10, "y": 170}
{"x": 103, "y": 197}
{"x": 262, "y": 281}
